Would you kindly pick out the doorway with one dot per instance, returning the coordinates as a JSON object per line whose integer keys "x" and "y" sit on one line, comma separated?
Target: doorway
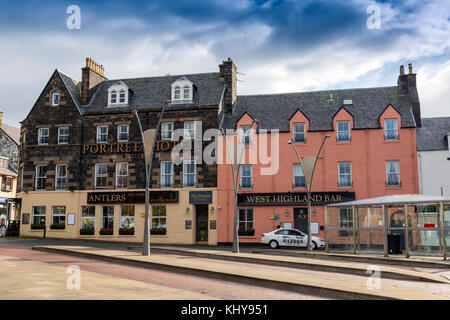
{"x": 201, "y": 216}
{"x": 301, "y": 219}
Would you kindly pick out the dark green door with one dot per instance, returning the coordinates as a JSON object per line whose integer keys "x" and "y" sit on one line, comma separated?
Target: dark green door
{"x": 201, "y": 212}
{"x": 301, "y": 219}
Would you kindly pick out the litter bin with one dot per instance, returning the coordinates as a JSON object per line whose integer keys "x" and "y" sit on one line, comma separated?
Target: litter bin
{"x": 394, "y": 244}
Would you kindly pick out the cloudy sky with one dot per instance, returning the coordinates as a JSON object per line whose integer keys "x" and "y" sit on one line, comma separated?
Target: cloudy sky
{"x": 278, "y": 46}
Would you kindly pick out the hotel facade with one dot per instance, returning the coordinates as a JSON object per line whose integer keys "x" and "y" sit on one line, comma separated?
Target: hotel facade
{"x": 370, "y": 152}
{"x": 82, "y": 169}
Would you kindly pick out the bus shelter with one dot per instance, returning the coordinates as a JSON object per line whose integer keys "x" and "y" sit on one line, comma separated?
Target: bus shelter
{"x": 410, "y": 224}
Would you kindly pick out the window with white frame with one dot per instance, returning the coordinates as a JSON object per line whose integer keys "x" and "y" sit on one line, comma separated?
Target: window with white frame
{"x": 166, "y": 130}
{"x": 159, "y": 215}
{"x": 107, "y": 218}
{"x": 118, "y": 94}
{"x": 182, "y": 90}
{"x": 61, "y": 177}
{"x": 123, "y": 132}
{"x": 41, "y": 177}
{"x": 343, "y": 131}
{"x": 246, "y": 176}
{"x": 102, "y": 134}
{"x": 189, "y": 129}
{"x": 393, "y": 173}
{"x": 299, "y": 132}
{"x": 186, "y": 93}
{"x": 246, "y": 135}
{"x": 43, "y": 135}
{"x": 87, "y": 217}
{"x": 122, "y": 96}
{"x": 189, "y": 173}
{"x": 58, "y": 214}
{"x": 122, "y": 175}
{"x": 55, "y": 99}
{"x": 177, "y": 93}
{"x": 7, "y": 183}
{"x": 38, "y": 215}
{"x": 390, "y": 129}
{"x": 246, "y": 222}
{"x": 21, "y": 178}
{"x": 101, "y": 173}
{"x": 166, "y": 174}
{"x": 113, "y": 97}
{"x": 345, "y": 174}
{"x": 127, "y": 216}
{"x": 299, "y": 176}
{"x": 63, "y": 135}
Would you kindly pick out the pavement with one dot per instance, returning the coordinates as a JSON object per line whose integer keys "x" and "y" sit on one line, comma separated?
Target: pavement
{"x": 288, "y": 279}
{"x": 308, "y": 263}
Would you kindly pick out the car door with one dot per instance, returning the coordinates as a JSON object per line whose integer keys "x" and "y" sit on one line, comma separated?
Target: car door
{"x": 282, "y": 237}
{"x": 298, "y": 238}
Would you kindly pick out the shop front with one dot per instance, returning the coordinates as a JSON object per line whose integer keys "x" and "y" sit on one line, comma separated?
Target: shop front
{"x": 176, "y": 217}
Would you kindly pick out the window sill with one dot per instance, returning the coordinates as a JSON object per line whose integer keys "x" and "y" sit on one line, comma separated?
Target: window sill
{"x": 56, "y": 230}
{"x": 159, "y": 236}
{"x": 127, "y": 235}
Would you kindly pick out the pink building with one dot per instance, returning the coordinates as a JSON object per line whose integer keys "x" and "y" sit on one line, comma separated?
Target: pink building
{"x": 371, "y": 152}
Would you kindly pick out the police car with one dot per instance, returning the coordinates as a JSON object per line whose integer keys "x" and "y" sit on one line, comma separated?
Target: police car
{"x": 290, "y": 238}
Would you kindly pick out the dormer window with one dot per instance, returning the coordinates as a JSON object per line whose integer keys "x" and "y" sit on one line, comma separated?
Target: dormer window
{"x": 118, "y": 94}
{"x": 55, "y": 99}
{"x": 182, "y": 91}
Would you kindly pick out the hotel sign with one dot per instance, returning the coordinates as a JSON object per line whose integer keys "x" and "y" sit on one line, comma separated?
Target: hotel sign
{"x": 293, "y": 198}
{"x": 129, "y": 147}
{"x": 200, "y": 197}
{"x": 131, "y": 197}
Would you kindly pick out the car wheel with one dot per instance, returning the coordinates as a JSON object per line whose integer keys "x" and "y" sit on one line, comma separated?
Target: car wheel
{"x": 273, "y": 244}
{"x": 314, "y": 245}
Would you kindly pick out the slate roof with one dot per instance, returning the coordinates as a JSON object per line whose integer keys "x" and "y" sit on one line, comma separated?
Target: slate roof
{"x": 7, "y": 172}
{"x": 274, "y": 110}
{"x": 72, "y": 86}
{"x": 152, "y": 92}
{"x": 433, "y": 134}
{"x": 12, "y": 132}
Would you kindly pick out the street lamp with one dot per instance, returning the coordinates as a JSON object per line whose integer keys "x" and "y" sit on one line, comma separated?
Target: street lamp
{"x": 235, "y": 158}
{"x": 148, "y": 141}
{"x": 308, "y": 167}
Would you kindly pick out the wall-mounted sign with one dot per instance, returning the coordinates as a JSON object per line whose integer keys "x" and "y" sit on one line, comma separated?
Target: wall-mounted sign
{"x": 25, "y": 218}
{"x": 188, "y": 224}
{"x": 131, "y": 197}
{"x": 274, "y": 216}
{"x": 293, "y": 198}
{"x": 129, "y": 147}
{"x": 71, "y": 218}
{"x": 212, "y": 224}
{"x": 200, "y": 197}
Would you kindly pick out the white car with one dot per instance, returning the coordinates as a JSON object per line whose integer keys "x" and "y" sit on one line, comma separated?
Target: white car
{"x": 290, "y": 238}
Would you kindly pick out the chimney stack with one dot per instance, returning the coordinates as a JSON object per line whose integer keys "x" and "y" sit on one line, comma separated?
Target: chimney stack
{"x": 1, "y": 117}
{"x": 406, "y": 84}
{"x": 91, "y": 75}
{"x": 228, "y": 73}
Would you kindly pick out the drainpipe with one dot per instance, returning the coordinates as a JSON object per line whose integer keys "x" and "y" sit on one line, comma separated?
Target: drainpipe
{"x": 420, "y": 173}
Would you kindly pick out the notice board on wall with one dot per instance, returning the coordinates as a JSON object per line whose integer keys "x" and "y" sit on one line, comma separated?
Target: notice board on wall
{"x": 314, "y": 228}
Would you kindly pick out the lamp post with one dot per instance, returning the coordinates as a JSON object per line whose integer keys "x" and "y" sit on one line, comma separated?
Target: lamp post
{"x": 235, "y": 158}
{"x": 308, "y": 167}
{"x": 148, "y": 141}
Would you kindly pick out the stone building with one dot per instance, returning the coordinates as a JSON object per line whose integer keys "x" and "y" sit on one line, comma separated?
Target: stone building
{"x": 82, "y": 167}
{"x": 9, "y": 156}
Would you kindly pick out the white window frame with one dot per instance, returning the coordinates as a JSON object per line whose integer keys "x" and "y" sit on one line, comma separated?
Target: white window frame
{"x": 164, "y": 130}
{"x": 338, "y": 131}
{"x": 99, "y": 134}
{"x": 344, "y": 174}
{"x": 102, "y": 221}
{"x": 127, "y": 217}
{"x": 241, "y": 171}
{"x": 40, "y": 177}
{"x": 118, "y": 175}
{"x": 188, "y": 97}
{"x": 246, "y": 131}
{"x": 179, "y": 89}
{"x": 298, "y": 165}
{"x": 63, "y": 135}
{"x": 33, "y": 214}
{"x": 248, "y": 224}
{"x": 55, "y": 94}
{"x": 105, "y": 175}
{"x": 57, "y": 177}
{"x": 302, "y": 132}
{"x": 119, "y": 126}
{"x": 87, "y": 215}
{"x": 187, "y": 174}
{"x": 397, "y": 173}
{"x": 386, "y": 130}
{"x": 124, "y": 99}
{"x": 113, "y": 95}
{"x": 41, "y": 135}
{"x": 185, "y": 135}
{"x": 164, "y": 174}
{"x": 55, "y": 215}
{"x": 115, "y": 92}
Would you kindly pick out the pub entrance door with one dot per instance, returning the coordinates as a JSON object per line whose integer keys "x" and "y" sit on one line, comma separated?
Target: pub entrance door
{"x": 201, "y": 216}
{"x": 301, "y": 219}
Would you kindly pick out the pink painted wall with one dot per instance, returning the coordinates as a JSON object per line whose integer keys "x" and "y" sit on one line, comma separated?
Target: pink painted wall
{"x": 367, "y": 150}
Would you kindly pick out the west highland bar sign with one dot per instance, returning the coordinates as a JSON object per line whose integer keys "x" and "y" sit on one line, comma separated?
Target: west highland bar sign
{"x": 131, "y": 197}
{"x": 293, "y": 198}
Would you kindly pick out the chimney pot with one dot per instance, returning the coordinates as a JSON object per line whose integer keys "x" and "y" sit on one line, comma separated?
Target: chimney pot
{"x": 402, "y": 70}
{"x": 410, "y": 68}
